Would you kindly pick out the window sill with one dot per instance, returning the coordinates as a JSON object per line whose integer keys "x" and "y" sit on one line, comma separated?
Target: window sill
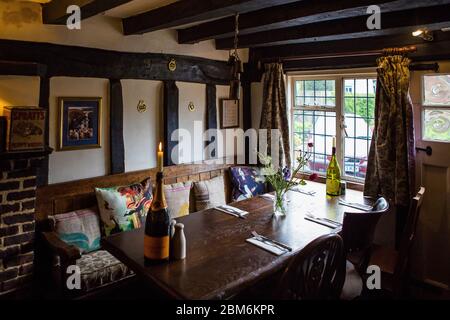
{"x": 350, "y": 184}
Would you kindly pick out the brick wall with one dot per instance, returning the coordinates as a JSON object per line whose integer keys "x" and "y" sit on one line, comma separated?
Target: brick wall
{"x": 17, "y": 223}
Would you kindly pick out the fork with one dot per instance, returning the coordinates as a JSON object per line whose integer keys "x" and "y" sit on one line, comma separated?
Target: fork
{"x": 274, "y": 243}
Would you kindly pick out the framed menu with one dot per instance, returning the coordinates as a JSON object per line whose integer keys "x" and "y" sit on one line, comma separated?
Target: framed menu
{"x": 230, "y": 113}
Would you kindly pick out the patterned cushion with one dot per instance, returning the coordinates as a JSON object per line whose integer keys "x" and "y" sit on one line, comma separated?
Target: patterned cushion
{"x": 177, "y": 197}
{"x": 209, "y": 193}
{"x": 123, "y": 208}
{"x": 100, "y": 268}
{"x": 247, "y": 182}
{"x": 79, "y": 228}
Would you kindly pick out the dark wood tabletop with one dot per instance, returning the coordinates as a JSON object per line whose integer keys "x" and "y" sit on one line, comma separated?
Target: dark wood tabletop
{"x": 219, "y": 262}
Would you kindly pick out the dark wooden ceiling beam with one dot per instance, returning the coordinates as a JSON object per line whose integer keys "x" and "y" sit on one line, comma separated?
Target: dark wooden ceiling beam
{"x": 434, "y": 17}
{"x": 340, "y": 47}
{"x": 292, "y": 14}
{"x": 189, "y": 11}
{"x": 55, "y": 12}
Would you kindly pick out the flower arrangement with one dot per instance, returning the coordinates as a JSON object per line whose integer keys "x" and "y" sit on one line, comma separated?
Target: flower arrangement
{"x": 283, "y": 179}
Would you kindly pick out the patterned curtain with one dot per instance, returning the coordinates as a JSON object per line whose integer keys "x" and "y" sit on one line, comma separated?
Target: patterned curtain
{"x": 390, "y": 170}
{"x": 274, "y": 111}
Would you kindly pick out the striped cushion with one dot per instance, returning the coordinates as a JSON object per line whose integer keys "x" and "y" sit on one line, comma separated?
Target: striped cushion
{"x": 209, "y": 193}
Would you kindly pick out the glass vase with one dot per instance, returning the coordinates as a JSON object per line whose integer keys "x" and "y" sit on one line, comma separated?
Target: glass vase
{"x": 280, "y": 203}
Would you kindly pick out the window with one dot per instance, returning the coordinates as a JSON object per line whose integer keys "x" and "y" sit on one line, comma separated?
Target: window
{"x": 321, "y": 105}
{"x": 436, "y": 107}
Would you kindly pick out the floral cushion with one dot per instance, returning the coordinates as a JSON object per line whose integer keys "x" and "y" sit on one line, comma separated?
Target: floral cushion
{"x": 177, "y": 197}
{"x": 247, "y": 182}
{"x": 80, "y": 228}
{"x": 209, "y": 193}
{"x": 100, "y": 268}
{"x": 123, "y": 208}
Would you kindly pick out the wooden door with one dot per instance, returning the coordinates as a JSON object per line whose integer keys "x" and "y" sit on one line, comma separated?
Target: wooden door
{"x": 431, "y": 253}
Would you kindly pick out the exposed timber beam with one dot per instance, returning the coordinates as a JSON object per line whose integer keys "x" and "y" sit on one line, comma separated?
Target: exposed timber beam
{"x": 55, "y": 12}
{"x": 189, "y": 11}
{"x": 398, "y": 22}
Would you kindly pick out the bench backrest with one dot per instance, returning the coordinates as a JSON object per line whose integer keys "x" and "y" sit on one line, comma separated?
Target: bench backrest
{"x": 80, "y": 194}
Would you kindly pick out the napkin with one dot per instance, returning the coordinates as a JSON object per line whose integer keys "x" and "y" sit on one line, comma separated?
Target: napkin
{"x": 268, "y": 196}
{"x": 225, "y": 208}
{"x": 359, "y": 206}
{"x": 323, "y": 222}
{"x": 263, "y": 245}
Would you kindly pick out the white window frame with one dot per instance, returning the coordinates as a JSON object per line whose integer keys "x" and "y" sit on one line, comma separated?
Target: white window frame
{"x": 338, "y": 109}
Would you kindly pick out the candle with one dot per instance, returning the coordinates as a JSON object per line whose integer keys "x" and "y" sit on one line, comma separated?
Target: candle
{"x": 334, "y": 142}
{"x": 160, "y": 158}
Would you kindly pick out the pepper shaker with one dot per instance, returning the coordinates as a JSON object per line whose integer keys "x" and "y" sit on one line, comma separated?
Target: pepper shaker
{"x": 179, "y": 242}
{"x": 173, "y": 222}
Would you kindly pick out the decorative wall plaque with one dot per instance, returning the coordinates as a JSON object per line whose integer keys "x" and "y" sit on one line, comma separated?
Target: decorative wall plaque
{"x": 191, "y": 106}
{"x": 141, "y": 107}
{"x": 172, "y": 65}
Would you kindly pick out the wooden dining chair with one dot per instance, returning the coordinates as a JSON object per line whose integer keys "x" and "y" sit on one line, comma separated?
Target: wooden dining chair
{"x": 395, "y": 264}
{"x": 358, "y": 230}
{"x": 312, "y": 273}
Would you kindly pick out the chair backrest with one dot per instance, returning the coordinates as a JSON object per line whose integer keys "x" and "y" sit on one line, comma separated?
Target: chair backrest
{"x": 312, "y": 273}
{"x": 407, "y": 240}
{"x": 358, "y": 228}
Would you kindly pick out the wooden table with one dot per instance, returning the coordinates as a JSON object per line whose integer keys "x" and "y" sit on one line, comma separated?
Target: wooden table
{"x": 220, "y": 263}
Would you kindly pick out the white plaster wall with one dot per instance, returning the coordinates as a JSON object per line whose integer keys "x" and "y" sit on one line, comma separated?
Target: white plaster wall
{"x": 18, "y": 91}
{"x": 78, "y": 164}
{"x": 142, "y": 131}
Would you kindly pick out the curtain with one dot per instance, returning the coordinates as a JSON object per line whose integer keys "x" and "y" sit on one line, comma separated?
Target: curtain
{"x": 391, "y": 161}
{"x": 274, "y": 111}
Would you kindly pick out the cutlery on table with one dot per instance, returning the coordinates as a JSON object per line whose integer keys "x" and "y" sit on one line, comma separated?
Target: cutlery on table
{"x": 309, "y": 215}
{"x": 270, "y": 241}
{"x": 309, "y": 193}
{"x": 359, "y": 206}
{"x": 233, "y": 211}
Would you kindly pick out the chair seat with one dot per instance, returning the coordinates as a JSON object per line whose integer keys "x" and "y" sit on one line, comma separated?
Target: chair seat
{"x": 384, "y": 257}
{"x": 353, "y": 284}
{"x": 100, "y": 268}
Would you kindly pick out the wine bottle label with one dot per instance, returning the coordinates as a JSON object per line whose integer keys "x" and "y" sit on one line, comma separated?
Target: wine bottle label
{"x": 156, "y": 248}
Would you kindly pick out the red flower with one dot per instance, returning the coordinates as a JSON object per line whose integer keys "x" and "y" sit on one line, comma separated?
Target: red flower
{"x": 313, "y": 177}
{"x": 310, "y": 145}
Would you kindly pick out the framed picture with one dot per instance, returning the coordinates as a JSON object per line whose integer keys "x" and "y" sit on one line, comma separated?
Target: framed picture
{"x": 229, "y": 113}
{"x": 80, "y": 123}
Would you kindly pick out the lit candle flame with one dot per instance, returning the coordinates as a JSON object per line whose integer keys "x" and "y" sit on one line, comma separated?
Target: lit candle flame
{"x": 160, "y": 146}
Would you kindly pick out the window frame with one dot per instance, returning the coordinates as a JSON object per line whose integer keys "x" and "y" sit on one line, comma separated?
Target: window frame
{"x": 338, "y": 109}
{"x": 425, "y": 107}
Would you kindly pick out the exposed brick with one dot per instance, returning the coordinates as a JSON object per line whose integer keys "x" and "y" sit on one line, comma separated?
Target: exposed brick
{"x": 8, "y": 274}
{"x": 26, "y": 205}
{"x": 26, "y": 269}
{"x": 28, "y": 227}
{"x": 18, "y": 239}
{"x": 29, "y": 183}
{"x": 17, "y": 261}
{"x": 36, "y": 162}
{"x": 20, "y": 164}
{"x": 22, "y": 173}
{"x": 7, "y": 231}
{"x": 5, "y": 165}
{"x": 16, "y": 283}
{"x": 20, "y": 195}
{"x": 5, "y": 208}
{"x": 18, "y": 218}
{"x": 27, "y": 247}
{"x": 13, "y": 185}
{"x": 9, "y": 252}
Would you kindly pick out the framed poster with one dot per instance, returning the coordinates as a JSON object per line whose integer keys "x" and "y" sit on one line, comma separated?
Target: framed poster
{"x": 230, "y": 113}
{"x": 80, "y": 123}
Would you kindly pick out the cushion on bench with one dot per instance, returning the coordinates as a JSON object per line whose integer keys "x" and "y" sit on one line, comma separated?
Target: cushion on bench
{"x": 100, "y": 268}
{"x": 209, "y": 193}
{"x": 247, "y": 182}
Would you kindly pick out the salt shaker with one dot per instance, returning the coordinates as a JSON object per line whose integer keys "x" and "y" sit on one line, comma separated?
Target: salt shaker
{"x": 173, "y": 222}
{"x": 179, "y": 242}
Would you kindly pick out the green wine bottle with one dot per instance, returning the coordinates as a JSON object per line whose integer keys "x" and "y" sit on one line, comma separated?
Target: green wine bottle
{"x": 333, "y": 174}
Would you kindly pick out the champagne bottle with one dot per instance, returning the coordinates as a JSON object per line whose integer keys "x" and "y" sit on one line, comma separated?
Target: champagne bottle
{"x": 333, "y": 174}
{"x": 157, "y": 226}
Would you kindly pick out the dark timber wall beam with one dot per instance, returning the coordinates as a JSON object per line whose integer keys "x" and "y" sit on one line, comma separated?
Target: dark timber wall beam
{"x": 55, "y": 12}
{"x": 117, "y": 148}
{"x": 404, "y": 21}
{"x": 44, "y": 102}
{"x": 211, "y": 118}
{"x": 188, "y": 11}
{"x": 171, "y": 123}
{"x": 74, "y": 61}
